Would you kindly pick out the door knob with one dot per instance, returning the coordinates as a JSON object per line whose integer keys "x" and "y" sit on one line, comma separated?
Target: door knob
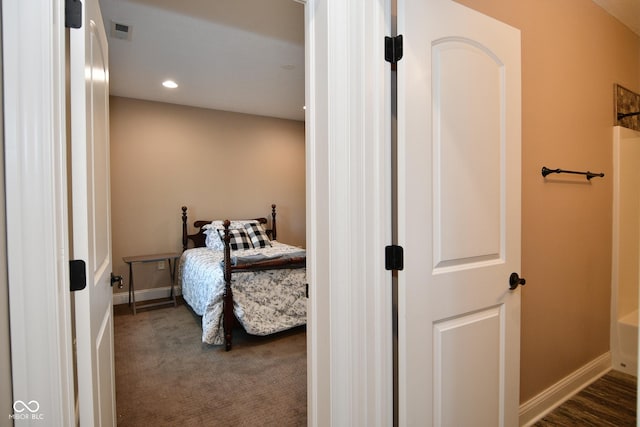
{"x": 116, "y": 279}
{"x": 515, "y": 280}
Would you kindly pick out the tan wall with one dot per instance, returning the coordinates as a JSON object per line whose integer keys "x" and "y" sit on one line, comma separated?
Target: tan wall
{"x": 572, "y": 54}
{"x": 218, "y": 164}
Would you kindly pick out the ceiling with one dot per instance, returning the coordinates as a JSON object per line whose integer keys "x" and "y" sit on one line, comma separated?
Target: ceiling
{"x": 626, "y": 11}
{"x": 236, "y": 55}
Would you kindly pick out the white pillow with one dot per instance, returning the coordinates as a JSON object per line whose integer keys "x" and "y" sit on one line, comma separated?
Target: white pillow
{"x": 235, "y": 224}
{"x": 213, "y": 240}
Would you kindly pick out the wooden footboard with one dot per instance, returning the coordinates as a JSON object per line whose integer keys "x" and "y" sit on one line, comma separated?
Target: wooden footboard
{"x": 227, "y": 307}
{"x": 229, "y": 318}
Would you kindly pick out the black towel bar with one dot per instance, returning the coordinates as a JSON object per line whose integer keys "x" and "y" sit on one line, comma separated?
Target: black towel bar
{"x": 623, "y": 115}
{"x": 546, "y": 171}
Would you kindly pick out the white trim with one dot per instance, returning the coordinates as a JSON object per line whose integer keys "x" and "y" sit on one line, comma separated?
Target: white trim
{"x": 36, "y": 192}
{"x": 536, "y": 408}
{"x": 615, "y": 242}
{"x": 316, "y": 357}
{"x": 145, "y": 294}
{"x": 348, "y": 203}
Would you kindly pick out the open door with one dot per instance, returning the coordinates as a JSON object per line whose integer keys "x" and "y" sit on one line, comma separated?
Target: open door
{"x": 91, "y": 224}
{"x": 458, "y": 216}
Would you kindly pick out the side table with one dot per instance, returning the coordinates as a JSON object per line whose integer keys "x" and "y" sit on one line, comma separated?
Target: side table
{"x": 169, "y": 257}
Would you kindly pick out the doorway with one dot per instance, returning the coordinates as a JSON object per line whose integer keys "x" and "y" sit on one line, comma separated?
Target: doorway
{"x": 338, "y": 374}
{"x": 169, "y": 147}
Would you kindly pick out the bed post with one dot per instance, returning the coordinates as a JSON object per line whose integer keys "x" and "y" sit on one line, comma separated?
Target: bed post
{"x": 273, "y": 221}
{"x": 227, "y": 305}
{"x": 185, "y": 240}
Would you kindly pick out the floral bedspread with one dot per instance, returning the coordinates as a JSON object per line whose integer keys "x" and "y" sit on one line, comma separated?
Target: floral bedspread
{"x": 265, "y": 302}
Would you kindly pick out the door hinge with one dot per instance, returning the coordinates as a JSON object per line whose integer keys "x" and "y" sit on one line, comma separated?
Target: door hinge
{"x": 393, "y": 49}
{"x": 73, "y": 14}
{"x": 78, "y": 274}
{"x": 393, "y": 257}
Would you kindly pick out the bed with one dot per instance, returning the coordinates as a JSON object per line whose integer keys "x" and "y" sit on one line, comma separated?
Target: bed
{"x": 261, "y": 284}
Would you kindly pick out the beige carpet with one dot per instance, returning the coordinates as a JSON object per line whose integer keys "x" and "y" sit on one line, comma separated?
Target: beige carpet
{"x": 165, "y": 376}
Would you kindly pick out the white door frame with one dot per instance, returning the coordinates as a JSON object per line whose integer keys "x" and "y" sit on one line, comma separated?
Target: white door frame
{"x": 36, "y": 194}
{"x": 350, "y": 358}
{"x": 348, "y": 210}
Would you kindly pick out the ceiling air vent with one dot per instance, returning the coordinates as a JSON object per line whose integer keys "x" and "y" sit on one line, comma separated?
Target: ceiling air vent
{"x": 121, "y": 31}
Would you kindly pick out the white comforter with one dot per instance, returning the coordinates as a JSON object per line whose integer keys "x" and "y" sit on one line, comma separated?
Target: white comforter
{"x": 265, "y": 302}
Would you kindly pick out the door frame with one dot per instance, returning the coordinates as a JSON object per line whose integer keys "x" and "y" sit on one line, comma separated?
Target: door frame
{"x": 348, "y": 149}
{"x": 36, "y": 208}
{"x": 348, "y": 202}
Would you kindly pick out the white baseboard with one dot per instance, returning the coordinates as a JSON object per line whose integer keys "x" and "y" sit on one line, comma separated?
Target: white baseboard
{"x": 536, "y": 408}
{"x": 145, "y": 295}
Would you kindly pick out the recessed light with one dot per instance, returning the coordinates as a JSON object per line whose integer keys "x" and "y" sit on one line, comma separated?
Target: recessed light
{"x": 170, "y": 84}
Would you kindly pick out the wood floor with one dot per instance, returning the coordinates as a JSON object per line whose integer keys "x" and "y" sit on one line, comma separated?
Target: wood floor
{"x": 609, "y": 401}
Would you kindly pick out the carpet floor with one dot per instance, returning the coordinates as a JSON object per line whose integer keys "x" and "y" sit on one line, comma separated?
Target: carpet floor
{"x": 609, "y": 401}
{"x": 165, "y": 375}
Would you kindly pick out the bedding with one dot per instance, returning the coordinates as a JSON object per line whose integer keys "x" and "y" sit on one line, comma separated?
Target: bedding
{"x": 264, "y": 302}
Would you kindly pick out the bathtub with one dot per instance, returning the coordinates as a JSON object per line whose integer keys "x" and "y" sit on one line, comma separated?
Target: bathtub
{"x": 626, "y": 359}
{"x": 625, "y": 277}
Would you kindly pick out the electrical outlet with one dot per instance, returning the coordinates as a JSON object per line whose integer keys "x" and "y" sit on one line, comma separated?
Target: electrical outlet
{"x": 160, "y": 265}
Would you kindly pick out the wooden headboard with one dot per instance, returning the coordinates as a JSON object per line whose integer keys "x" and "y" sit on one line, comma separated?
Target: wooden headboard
{"x": 199, "y": 238}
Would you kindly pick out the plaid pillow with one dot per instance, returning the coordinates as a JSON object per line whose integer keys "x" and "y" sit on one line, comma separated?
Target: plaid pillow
{"x": 239, "y": 239}
{"x": 257, "y": 234}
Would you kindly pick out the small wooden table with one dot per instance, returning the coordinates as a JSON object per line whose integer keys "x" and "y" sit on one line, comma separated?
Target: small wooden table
{"x": 169, "y": 257}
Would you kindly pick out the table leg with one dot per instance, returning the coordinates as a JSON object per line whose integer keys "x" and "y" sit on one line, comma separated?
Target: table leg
{"x": 132, "y": 288}
{"x": 130, "y": 280}
{"x": 172, "y": 273}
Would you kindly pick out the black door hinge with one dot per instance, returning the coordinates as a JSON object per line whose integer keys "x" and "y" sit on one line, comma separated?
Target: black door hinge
{"x": 73, "y": 14}
{"x": 78, "y": 274}
{"x": 393, "y": 257}
{"x": 393, "y": 49}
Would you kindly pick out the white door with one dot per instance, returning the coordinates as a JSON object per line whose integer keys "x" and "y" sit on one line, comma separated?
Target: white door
{"x": 91, "y": 217}
{"x": 458, "y": 216}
